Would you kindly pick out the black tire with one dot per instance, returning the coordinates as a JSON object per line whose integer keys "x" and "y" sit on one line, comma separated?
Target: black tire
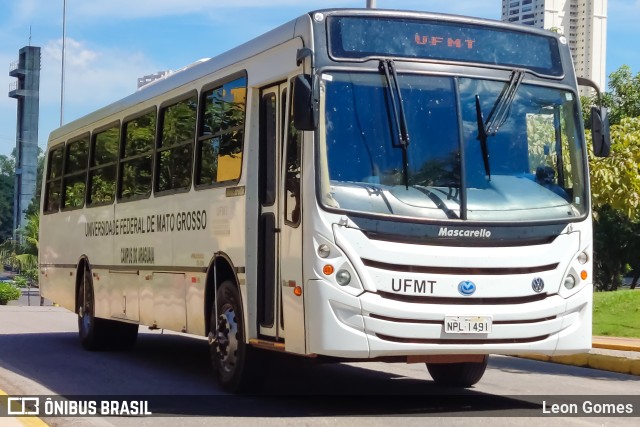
{"x": 233, "y": 360}
{"x": 462, "y": 375}
{"x": 95, "y": 333}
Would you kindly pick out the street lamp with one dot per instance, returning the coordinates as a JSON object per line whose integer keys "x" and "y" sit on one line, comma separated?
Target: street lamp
{"x": 64, "y": 40}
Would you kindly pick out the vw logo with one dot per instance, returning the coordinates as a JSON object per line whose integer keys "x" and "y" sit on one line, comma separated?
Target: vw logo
{"x": 467, "y": 288}
{"x": 537, "y": 284}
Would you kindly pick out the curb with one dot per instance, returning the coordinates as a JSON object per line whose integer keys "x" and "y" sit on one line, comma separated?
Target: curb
{"x": 602, "y": 362}
{"x": 22, "y": 421}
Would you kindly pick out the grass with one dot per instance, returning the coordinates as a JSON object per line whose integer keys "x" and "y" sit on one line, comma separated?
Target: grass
{"x": 617, "y": 314}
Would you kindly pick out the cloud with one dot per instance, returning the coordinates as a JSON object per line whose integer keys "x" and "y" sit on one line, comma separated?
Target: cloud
{"x": 126, "y": 9}
{"x": 94, "y": 76}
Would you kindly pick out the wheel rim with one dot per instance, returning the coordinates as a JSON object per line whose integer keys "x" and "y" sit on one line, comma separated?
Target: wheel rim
{"x": 227, "y": 340}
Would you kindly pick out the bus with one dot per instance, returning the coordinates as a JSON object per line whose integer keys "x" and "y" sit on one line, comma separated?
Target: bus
{"x": 353, "y": 185}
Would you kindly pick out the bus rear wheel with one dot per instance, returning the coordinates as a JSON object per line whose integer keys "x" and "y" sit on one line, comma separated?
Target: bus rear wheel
{"x": 462, "y": 375}
{"x": 232, "y": 358}
{"x": 96, "y": 333}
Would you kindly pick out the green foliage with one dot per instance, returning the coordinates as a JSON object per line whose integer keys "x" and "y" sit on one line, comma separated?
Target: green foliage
{"x": 617, "y": 314}
{"x": 7, "y": 180}
{"x": 615, "y": 186}
{"x": 615, "y": 183}
{"x": 21, "y": 281}
{"x": 8, "y": 292}
{"x": 34, "y": 206}
{"x": 23, "y": 256}
{"x": 615, "y": 237}
{"x": 586, "y": 103}
{"x": 615, "y": 180}
{"x": 623, "y": 98}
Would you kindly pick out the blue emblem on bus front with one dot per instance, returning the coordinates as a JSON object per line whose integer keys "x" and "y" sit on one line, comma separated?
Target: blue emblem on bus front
{"x": 467, "y": 288}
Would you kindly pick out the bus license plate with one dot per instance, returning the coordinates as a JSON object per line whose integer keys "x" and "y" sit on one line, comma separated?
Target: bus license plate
{"x": 467, "y": 324}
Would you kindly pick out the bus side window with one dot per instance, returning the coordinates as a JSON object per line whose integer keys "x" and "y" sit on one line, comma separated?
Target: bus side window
{"x": 135, "y": 163}
{"x": 75, "y": 173}
{"x": 102, "y": 167}
{"x": 53, "y": 180}
{"x": 221, "y": 133}
{"x": 175, "y": 146}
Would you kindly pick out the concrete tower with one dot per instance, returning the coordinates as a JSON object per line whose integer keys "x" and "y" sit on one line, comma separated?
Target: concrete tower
{"x": 27, "y": 91}
{"x": 582, "y": 22}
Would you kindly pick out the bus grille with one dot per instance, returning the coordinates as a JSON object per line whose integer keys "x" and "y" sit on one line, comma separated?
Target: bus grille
{"x": 462, "y": 341}
{"x": 489, "y": 271}
{"x": 419, "y": 299}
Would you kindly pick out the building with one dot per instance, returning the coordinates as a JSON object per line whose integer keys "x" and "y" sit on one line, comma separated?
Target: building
{"x": 582, "y": 22}
{"x": 26, "y": 90}
{"x": 150, "y": 78}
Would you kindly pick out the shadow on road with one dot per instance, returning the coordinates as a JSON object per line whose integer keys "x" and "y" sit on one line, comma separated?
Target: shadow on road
{"x": 173, "y": 373}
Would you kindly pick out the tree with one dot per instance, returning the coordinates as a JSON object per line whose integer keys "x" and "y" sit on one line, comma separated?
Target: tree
{"x": 615, "y": 187}
{"x": 623, "y": 98}
{"x": 34, "y": 206}
{"x": 7, "y": 182}
{"x": 615, "y": 180}
{"x": 23, "y": 256}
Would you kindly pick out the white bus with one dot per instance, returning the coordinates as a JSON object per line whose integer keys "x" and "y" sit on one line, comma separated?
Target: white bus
{"x": 358, "y": 184}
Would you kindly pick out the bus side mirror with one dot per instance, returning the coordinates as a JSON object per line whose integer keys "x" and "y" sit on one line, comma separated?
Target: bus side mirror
{"x": 600, "y": 132}
{"x": 305, "y": 115}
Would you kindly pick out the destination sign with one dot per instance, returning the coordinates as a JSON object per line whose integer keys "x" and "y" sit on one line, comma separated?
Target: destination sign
{"x": 360, "y": 37}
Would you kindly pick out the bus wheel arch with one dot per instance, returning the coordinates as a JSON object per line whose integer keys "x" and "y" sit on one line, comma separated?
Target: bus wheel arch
{"x": 234, "y": 361}
{"x": 220, "y": 269}
{"x": 96, "y": 333}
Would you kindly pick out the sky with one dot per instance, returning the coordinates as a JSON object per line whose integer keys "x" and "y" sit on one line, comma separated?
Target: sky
{"x": 110, "y": 43}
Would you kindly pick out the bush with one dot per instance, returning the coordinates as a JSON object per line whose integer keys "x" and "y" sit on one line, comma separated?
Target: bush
{"x": 21, "y": 281}
{"x": 8, "y": 292}
{"x": 616, "y": 247}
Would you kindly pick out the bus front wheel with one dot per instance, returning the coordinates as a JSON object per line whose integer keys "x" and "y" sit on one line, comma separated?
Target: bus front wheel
{"x": 463, "y": 374}
{"x": 232, "y": 358}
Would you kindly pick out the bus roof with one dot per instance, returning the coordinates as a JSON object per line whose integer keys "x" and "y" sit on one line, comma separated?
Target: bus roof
{"x": 198, "y": 70}
{"x": 253, "y": 47}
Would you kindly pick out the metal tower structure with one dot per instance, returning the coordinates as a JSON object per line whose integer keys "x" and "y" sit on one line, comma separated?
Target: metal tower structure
{"x": 27, "y": 91}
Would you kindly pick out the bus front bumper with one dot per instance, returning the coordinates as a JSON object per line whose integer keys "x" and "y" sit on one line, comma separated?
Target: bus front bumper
{"x": 370, "y": 326}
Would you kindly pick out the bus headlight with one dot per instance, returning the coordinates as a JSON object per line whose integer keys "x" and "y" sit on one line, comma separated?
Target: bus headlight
{"x": 570, "y": 282}
{"x": 583, "y": 258}
{"x": 343, "y": 277}
{"x": 324, "y": 251}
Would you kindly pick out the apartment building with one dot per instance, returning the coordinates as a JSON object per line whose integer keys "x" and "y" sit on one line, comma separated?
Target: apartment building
{"x": 582, "y": 22}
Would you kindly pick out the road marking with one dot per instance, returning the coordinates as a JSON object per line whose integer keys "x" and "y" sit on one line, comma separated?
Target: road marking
{"x": 27, "y": 421}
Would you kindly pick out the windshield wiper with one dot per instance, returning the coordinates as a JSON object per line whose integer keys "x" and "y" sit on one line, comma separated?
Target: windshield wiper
{"x": 388, "y": 66}
{"x": 498, "y": 115}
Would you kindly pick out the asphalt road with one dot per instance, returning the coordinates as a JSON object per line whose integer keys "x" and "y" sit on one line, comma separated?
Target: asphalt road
{"x": 40, "y": 354}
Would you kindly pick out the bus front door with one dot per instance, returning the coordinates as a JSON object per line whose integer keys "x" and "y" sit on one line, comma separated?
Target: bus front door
{"x": 280, "y": 283}
{"x": 269, "y": 225}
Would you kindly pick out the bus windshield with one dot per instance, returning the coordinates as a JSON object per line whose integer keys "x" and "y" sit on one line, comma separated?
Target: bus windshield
{"x": 536, "y": 156}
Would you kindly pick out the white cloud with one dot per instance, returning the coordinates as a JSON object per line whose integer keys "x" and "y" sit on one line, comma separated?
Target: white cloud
{"x": 94, "y": 77}
{"x": 127, "y": 9}
{"x": 154, "y": 8}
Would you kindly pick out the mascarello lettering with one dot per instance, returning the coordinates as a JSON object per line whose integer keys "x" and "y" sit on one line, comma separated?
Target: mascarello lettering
{"x": 481, "y": 233}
